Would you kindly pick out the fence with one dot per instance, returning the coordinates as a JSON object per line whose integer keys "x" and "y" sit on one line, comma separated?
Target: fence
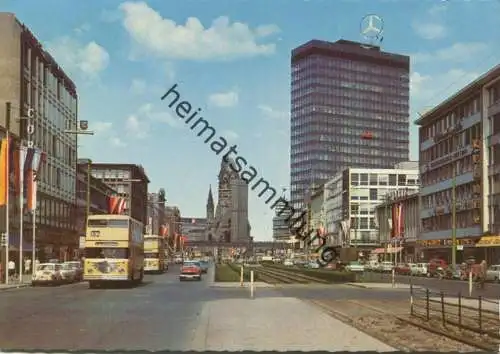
{"x": 479, "y": 315}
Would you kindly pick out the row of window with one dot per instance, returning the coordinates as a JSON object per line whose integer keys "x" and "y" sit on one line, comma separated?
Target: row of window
{"x": 449, "y": 120}
{"x": 464, "y": 219}
{"x": 443, "y": 173}
{"x": 467, "y": 191}
{"x": 376, "y": 179}
{"x": 451, "y": 144}
{"x": 42, "y": 73}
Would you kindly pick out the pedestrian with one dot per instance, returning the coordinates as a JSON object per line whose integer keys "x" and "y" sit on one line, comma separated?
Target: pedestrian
{"x": 483, "y": 268}
{"x": 12, "y": 269}
{"x": 27, "y": 266}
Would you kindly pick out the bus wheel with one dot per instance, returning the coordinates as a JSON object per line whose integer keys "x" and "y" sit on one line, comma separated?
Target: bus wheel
{"x": 93, "y": 285}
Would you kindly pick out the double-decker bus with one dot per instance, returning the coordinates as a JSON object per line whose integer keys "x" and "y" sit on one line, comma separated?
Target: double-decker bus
{"x": 154, "y": 254}
{"x": 114, "y": 250}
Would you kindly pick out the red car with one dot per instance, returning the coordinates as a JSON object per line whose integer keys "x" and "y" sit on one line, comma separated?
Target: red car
{"x": 403, "y": 269}
{"x": 190, "y": 270}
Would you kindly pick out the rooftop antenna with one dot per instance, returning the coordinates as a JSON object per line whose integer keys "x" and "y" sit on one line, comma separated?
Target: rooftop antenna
{"x": 371, "y": 29}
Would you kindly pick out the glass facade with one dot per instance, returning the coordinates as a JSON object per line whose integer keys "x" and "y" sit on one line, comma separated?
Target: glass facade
{"x": 339, "y": 91}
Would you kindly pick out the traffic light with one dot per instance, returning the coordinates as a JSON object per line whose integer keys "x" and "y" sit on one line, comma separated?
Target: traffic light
{"x": 3, "y": 240}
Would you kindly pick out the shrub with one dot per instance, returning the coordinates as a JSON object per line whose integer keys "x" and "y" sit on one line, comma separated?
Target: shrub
{"x": 224, "y": 273}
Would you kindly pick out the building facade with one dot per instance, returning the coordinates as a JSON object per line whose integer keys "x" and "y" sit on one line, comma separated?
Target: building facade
{"x": 406, "y": 202}
{"x": 174, "y": 230}
{"x": 156, "y": 212}
{"x": 195, "y": 229}
{"x": 460, "y": 169}
{"x": 98, "y": 196}
{"x": 351, "y": 197}
{"x": 33, "y": 81}
{"x": 340, "y": 93}
{"x": 130, "y": 182}
{"x": 230, "y": 222}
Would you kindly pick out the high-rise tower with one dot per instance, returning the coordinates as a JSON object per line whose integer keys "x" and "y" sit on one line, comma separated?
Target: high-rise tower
{"x": 349, "y": 108}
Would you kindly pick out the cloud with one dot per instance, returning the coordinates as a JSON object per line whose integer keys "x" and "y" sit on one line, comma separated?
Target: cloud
{"x": 230, "y": 135}
{"x": 117, "y": 142}
{"x": 138, "y": 87}
{"x": 430, "y": 90}
{"x": 272, "y": 113}
{"x": 165, "y": 38}
{"x": 136, "y": 128}
{"x": 138, "y": 125}
{"x": 100, "y": 127}
{"x": 88, "y": 59}
{"x": 458, "y": 52}
{"x": 429, "y": 30}
{"x": 82, "y": 29}
{"x": 224, "y": 99}
{"x": 105, "y": 131}
{"x": 432, "y": 27}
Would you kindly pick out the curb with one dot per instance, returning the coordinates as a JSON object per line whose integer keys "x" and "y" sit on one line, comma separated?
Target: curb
{"x": 14, "y": 287}
{"x": 357, "y": 286}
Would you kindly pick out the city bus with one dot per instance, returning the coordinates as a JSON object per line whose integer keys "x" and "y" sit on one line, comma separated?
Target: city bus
{"x": 114, "y": 250}
{"x": 154, "y": 254}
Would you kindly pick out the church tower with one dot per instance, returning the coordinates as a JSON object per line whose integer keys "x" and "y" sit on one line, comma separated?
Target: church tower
{"x": 210, "y": 205}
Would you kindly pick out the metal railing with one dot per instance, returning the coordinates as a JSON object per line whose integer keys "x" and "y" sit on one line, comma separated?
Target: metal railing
{"x": 476, "y": 314}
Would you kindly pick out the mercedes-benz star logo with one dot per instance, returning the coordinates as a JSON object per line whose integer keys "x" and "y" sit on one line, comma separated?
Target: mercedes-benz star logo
{"x": 372, "y": 26}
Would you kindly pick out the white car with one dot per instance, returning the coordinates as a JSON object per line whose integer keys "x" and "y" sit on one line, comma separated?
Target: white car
{"x": 493, "y": 273}
{"x": 313, "y": 265}
{"x": 355, "y": 267}
{"x": 68, "y": 273}
{"x": 288, "y": 263}
{"x": 47, "y": 273}
{"x": 386, "y": 267}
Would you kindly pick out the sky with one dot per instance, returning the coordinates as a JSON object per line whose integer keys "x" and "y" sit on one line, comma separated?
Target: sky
{"x": 232, "y": 59}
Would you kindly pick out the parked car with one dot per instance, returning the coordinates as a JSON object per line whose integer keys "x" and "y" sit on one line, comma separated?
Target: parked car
{"x": 288, "y": 263}
{"x": 403, "y": 269}
{"x": 47, "y": 273}
{"x": 190, "y": 270}
{"x": 68, "y": 273}
{"x": 355, "y": 266}
{"x": 386, "y": 267}
{"x": 313, "y": 265}
{"x": 78, "y": 268}
{"x": 436, "y": 267}
{"x": 493, "y": 273}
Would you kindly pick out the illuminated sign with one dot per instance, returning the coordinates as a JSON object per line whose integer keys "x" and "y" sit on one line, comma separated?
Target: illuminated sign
{"x": 446, "y": 242}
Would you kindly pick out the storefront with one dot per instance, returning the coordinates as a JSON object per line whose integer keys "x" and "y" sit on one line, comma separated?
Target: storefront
{"x": 490, "y": 246}
{"x": 442, "y": 249}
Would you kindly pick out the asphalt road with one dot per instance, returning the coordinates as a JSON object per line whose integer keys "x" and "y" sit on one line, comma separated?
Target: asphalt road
{"x": 161, "y": 314}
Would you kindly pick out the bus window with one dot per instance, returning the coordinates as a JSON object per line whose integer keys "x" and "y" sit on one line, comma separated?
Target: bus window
{"x": 98, "y": 252}
{"x": 107, "y": 223}
{"x": 151, "y": 255}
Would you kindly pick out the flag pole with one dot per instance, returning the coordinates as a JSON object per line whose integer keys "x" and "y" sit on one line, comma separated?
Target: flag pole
{"x": 22, "y": 157}
{"x": 7, "y": 187}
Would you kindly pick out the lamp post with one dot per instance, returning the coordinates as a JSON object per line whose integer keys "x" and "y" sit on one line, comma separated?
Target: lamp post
{"x": 82, "y": 129}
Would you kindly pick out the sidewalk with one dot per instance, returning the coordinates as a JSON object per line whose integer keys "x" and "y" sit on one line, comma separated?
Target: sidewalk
{"x": 282, "y": 324}
{"x": 15, "y": 285}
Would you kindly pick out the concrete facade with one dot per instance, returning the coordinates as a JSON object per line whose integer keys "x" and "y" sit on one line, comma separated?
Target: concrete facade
{"x": 351, "y": 199}
{"x": 32, "y": 81}
{"x": 460, "y": 146}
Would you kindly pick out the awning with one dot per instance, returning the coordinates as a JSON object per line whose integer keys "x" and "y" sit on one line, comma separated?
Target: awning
{"x": 488, "y": 241}
{"x": 378, "y": 251}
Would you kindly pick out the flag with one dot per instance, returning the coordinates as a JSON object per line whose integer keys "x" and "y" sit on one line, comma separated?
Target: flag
{"x": 4, "y": 170}
{"x": 32, "y": 161}
{"x": 116, "y": 205}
